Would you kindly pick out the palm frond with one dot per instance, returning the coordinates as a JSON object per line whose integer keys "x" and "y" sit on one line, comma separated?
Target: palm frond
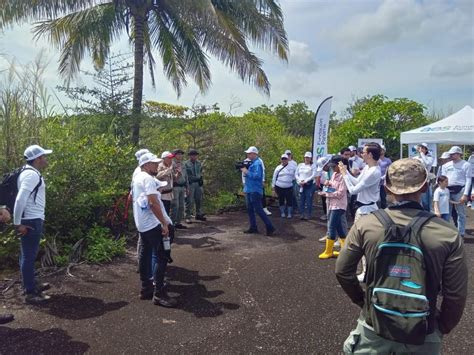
{"x": 91, "y": 30}
{"x": 19, "y": 11}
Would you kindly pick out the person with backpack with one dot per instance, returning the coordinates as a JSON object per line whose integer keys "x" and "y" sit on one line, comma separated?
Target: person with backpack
{"x": 282, "y": 186}
{"x": 411, "y": 257}
{"x": 28, "y": 218}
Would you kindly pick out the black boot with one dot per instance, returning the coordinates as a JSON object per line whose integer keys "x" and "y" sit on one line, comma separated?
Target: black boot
{"x": 6, "y": 318}
{"x": 161, "y": 298}
{"x": 146, "y": 293}
{"x": 200, "y": 217}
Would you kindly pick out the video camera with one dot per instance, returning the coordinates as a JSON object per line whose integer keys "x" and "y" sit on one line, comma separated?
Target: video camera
{"x": 242, "y": 164}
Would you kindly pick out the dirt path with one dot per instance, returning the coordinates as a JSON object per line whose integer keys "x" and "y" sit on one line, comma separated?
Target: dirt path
{"x": 237, "y": 294}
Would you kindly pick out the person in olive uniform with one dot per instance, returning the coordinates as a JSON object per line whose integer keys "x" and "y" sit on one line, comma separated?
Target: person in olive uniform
{"x": 443, "y": 251}
{"x": 194, "y": 171}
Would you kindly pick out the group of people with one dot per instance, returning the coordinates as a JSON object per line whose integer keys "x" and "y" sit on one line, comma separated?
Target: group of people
{"x": 165, "y": 190}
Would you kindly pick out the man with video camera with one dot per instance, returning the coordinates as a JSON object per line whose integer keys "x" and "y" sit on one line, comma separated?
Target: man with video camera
{"x": 253, "y": 189}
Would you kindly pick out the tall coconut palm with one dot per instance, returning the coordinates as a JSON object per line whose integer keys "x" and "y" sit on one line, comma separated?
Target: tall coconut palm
{"x": 184, "y": 32}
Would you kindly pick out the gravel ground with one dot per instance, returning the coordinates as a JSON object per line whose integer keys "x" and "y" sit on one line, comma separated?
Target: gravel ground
{"x": 238, "y": 294}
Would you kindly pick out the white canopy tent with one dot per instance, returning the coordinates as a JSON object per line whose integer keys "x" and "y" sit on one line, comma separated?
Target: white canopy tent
{"x": 457, "y": 128}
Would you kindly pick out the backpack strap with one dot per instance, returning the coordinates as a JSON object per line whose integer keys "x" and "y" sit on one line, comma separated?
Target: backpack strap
{"x": 417, "y": 224}
{"x": 386, "y": 221}
{"x": 35, "y": 190}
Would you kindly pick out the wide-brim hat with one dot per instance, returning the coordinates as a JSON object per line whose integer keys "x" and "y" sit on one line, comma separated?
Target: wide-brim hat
{"x": 406, "y": 176}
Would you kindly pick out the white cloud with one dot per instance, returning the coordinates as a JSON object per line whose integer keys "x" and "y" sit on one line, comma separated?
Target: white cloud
{"x": 301, "y": 58}
{"x": 452, "y": 68}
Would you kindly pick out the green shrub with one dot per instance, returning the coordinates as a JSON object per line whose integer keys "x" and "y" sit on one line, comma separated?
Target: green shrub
{"x": 101, "y": 247}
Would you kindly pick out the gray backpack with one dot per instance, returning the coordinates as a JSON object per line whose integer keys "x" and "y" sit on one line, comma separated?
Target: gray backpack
{"x": 396, "y": 297}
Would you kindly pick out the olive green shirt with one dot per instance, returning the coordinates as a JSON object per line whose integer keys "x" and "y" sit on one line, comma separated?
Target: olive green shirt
{"x": 444, "y": 259}
{"x": 194, "y": 170}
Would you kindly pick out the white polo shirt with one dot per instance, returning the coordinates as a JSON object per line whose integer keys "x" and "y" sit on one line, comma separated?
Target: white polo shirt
{"x": 458, "y": 173}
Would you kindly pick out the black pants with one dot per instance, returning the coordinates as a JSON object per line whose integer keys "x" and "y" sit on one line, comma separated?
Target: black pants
{"x": 264, "y": 200}
{"x": 383, "y": 198}
{"x": 285, "y": 195}
{"x": 152, "y": 240}
{"x": 323, "y": 202}
{"x": 167, "y": 204}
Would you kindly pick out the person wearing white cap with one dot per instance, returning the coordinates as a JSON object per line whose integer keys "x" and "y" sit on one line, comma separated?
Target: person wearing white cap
{"x": 138, "y": 155}
{"x": 153, "y": 224}
{"x": 305, "y": 175}
{"x": 282, "y": 186}
{"x": 321, "y": 177}
{"x": 28, "y": 218}
{"x": 423, "y": 155}
{"x": 296, "y": 188}
{"x": 253, "y": 189}
{"x": 459, "y": 174}
{"x": 356, "y": 163}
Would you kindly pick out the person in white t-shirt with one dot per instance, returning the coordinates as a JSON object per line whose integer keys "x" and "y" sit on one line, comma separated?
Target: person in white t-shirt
{"x": 366, "y": 186}
{"x": 458, "y": 172}
{"x": 305, "y": 175}
{"x": 28, "y": 218}
{"x": 441, "y": 199}
{"x": 282, "y": 186}
{"x": 152, "y": 223}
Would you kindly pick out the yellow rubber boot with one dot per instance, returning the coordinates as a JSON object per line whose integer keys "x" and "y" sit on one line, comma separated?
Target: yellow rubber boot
{"x": 328, "y": 253}
{"x": 341, "y": 240}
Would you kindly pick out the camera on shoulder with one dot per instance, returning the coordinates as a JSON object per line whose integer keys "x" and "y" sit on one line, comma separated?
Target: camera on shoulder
{"x": 242, "y": 164}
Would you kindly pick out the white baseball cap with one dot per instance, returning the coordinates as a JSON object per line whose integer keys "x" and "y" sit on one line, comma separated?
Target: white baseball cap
{"x": 423, "y": 145}
{"x": 167, "y": 154}
{"x": 308, "y": 155}
{"x": 148, "y": 158}
{"x": 352, "y": 148}
{"x": 445, "y": 155}
{"x": 35, "y": 151}
{"x": 252, "y": 149}
{"x": 383, "y": 147}
{"x": 284, "y": 156}
{"x": 140, "y": 152}
{"x": 288, "y": 152}
{"x": 321, "y": 162}
{"x": 455, "y": 150}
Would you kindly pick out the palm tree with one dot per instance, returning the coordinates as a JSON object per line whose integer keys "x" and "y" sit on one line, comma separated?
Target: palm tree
{"x": 185, "y": 33}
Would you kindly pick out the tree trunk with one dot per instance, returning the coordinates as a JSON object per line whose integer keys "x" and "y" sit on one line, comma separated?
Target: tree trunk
{"x": 139, "y": 23}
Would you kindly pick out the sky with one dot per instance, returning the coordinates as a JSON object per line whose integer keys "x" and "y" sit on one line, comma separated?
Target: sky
{"x": 419, "y": 49}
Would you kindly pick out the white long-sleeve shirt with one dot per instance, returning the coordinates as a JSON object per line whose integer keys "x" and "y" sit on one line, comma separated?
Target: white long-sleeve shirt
{"x": 27, "y": 205}
{"x": 286, "y": 175}
{"x": 427, "y": 160}
{"x": 471, "y": 161}
{"x": 366, "y": 186}
{"x": 458, "y": 173}
{"x": 305, "y": 173}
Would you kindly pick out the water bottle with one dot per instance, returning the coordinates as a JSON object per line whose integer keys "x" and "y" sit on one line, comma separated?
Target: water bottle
{"x": 166, "y": 243}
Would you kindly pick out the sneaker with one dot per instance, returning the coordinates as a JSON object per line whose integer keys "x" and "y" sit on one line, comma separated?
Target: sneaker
{"x": 36, "y": 297}
{"x": 361, "y": 277}
{"x": 337, "y": 243}
{"x": 282, "y": 215}
{"x": 40, "y": 287}
{"x": 251, "y": 231}
{"x": 201, "y": 217}
{"x": 180, "y": 226}
{"x": 323, "y": 239}
{"x": 162, "y": 299}
{"x": 270, "y": 232}
{"x": 323, "y": 217}
{"x": 6, "y": 318}
{"x": 188, "y": 221}
{"x": 303, "y": 218}
{"x": 469, "y": 204}
{"x": 267, "y": 212}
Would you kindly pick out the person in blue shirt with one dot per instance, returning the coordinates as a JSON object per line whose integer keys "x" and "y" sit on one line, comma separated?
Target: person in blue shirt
{"x": 253, "y": 189}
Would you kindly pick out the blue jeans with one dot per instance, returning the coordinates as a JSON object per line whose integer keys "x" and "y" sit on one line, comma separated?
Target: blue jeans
{"x": 336, "y": 227}
{"x": 446, "y": 217}
{"x": 426, "y": 199}
{"x": 152, "y": 244}
{"x": 29, "y": 250}
{"x": 461, "y": 211}
{"x": 306, "y": 199}
{"x": 254, "y": 205}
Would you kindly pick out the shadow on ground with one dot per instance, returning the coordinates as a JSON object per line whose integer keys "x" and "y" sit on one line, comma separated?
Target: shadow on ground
{"x": 72, "y": 307}
{"x": 30, "y": 341}
{"x": 193, "y": 296}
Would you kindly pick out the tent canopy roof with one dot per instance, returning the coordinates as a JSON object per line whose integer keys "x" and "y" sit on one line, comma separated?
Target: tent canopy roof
{"x": 457, "y": 128}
